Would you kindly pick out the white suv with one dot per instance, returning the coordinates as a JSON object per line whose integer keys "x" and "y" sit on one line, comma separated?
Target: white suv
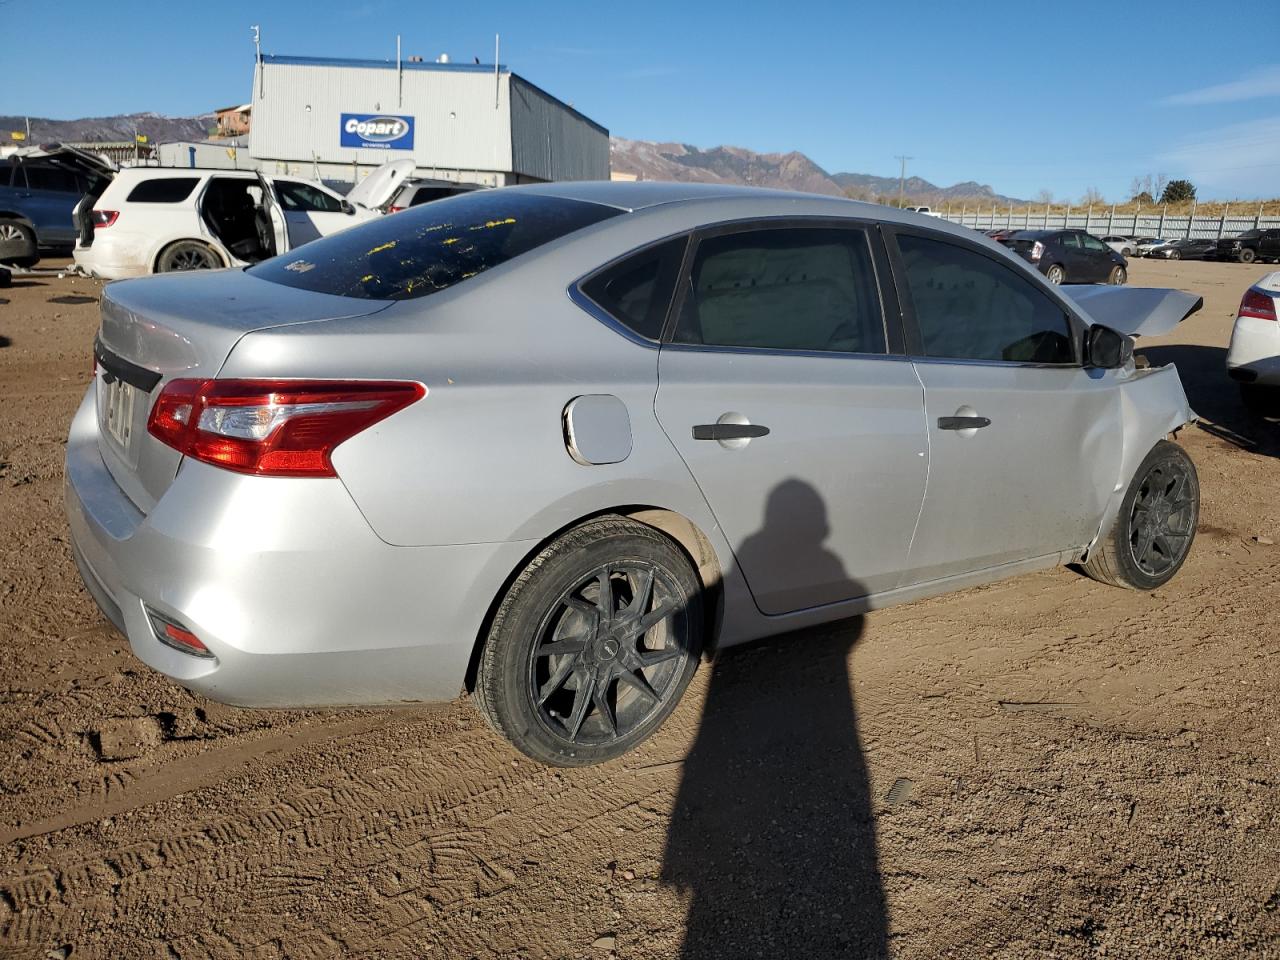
{"x": 160, "y": 219}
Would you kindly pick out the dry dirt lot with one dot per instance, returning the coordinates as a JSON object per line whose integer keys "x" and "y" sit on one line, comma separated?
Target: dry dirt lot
{"x": 1043, "y": 767}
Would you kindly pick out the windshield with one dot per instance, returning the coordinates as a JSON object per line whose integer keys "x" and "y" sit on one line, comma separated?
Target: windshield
{"x": 430, "y": 248}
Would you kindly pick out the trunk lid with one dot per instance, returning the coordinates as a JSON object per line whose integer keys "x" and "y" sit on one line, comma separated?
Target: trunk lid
{"x": 181, "y": 325}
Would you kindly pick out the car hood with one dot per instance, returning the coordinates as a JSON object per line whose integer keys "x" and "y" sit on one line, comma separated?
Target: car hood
{"x": 1135, "y": 311}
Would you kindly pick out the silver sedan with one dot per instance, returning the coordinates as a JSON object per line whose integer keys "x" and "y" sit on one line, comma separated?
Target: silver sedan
{"x": 553, "y": 444}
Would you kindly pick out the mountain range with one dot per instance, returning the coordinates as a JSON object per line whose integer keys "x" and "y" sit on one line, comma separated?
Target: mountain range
{"x": 787, "y": 171}
{"x": 645, "y": 159}
{"x": 119, "y": 128}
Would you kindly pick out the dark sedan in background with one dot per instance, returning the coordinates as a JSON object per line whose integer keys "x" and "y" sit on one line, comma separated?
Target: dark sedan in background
{"x": 1193, "y": 249}
{"x": 1069, "y": 256}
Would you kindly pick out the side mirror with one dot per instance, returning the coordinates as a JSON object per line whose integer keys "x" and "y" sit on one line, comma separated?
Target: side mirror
{"x": 348, "y": 207}
{"x": 1106, "y": 348}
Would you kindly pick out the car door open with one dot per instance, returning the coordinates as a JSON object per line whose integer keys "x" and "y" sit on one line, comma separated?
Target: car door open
{"x": 804, "y": 434}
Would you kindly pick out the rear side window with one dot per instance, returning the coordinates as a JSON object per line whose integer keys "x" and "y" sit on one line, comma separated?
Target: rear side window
{"x": 163, "y": 190}
{"x": 430, "y": 248}
{"x": 968, "y": 306}
{"x": 51, "y": 178}
{"x": 784, "y": 289}
{"x": 1069, "y": 240}
{"x": 637, "y": 291}
{"x": 1092, "y": 243}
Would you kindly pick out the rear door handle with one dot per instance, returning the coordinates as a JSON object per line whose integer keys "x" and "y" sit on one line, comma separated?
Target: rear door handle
{"x": 963, "y": 423}
{"x": 728, "y": 431}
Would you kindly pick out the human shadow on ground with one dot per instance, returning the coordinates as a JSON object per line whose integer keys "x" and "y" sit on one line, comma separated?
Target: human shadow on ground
{"x": 1216, "y": 398}
{"x": 772, "y": 832}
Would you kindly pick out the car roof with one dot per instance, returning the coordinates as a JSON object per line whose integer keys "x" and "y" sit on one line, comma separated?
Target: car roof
{"x": 1036, "y": 234}
{"x": 138, "y": 173}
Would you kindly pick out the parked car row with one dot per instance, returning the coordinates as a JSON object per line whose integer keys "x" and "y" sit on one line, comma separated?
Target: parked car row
{"x": 129, "y": 222}
{"x": 39, "y": 189}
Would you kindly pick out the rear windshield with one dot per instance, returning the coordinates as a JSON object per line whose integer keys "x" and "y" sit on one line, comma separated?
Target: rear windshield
{"x": 427, "y": 249}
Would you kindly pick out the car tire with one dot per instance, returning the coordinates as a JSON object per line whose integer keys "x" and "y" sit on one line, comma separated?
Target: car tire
{"x": 1056, "y": 274}
{"x": 1117, "y": 277}
{"x": 18, "y": 244}
{"x": 1246, "y": 256}
{"x": 187, "y": 255}
{"x": 1153, "y": 533}
{"x": 572, "y": 676}
{"x": 1175, "y": 255}
{"x": 1126, "y": 252}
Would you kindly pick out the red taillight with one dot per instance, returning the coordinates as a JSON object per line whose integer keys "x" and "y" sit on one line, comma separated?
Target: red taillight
{"x": 1258, "y": 305}
{"x": 272, "y": 428}
{"x": 104, "y": 218}
{"x": 1037, "y": 250}
{"x": 394, "y": 209}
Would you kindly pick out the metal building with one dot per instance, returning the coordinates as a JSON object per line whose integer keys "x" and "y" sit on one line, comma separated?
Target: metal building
{"x": 337, "y": 119}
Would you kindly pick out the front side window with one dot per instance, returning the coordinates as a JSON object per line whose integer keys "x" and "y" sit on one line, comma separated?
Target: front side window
{"x": 637, "y": 291}
{"x": 431, "y": 248}
{"x": 162, "y": 190}
{"x": 784, "y": 289}
{"x": 305, "y": 198}
{"x": 968, "y": 306}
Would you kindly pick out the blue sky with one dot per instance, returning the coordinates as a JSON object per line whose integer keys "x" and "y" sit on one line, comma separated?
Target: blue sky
{"x": 1023, "y": 96}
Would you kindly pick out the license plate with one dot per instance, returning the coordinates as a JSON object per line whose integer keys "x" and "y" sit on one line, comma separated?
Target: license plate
{"x": 120, "y": 399}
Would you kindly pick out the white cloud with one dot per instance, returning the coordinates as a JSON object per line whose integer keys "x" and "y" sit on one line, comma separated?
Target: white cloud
{"x": 1255, "y": 85}
{"x": 1241, "y": 160}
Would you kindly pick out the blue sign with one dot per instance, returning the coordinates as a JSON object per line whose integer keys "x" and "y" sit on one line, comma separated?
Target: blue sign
{"x": 376, "y": 130}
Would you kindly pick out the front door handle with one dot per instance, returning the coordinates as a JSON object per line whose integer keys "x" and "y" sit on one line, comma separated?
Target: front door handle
{"x": 728, "y": 431}
{"x": 963, "y": 423}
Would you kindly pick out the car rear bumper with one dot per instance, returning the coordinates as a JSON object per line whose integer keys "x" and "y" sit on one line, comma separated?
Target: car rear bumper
{"x": 107, "y": 261}
{"x": 1254, "y": 354}
{"x": 283, "y": 580}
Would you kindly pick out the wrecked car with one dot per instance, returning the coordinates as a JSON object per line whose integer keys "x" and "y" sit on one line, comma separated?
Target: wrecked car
{"x": 39, "y": 189}
{"x": 167, "y": 219}
{"x": 552, "y": 443}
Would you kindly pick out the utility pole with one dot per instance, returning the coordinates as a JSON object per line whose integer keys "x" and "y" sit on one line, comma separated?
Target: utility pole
{"x": 902, "y": 177}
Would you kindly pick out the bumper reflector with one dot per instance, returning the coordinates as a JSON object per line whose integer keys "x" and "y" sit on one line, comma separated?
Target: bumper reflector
{"x": 173, "y": 634}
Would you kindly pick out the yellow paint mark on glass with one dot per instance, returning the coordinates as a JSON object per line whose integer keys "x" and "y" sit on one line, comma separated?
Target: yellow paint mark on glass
{"x": 386, "y": 246}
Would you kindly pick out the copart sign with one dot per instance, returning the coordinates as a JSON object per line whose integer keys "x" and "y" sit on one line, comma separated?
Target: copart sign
{"x": 377, "y": 130}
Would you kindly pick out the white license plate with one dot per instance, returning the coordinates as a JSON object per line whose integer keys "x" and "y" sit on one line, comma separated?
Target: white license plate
{"x": 120, "y": 399}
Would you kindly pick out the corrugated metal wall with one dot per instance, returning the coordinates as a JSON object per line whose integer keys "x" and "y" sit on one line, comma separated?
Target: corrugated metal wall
{"x": 464, "y": 120}
{"x": 551, "y": 142}
{"x": 455, "y": 124}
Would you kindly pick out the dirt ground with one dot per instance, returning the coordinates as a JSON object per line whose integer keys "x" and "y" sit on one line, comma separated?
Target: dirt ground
{"x": 1043, "y": 767}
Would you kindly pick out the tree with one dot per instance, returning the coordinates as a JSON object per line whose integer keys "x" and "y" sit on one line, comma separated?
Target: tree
{"x": 1092, "y": 197}
{"x": 1142, "y": 197}
{"x": 1044, "y": 196}
{"x": 1178, "y": 191}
